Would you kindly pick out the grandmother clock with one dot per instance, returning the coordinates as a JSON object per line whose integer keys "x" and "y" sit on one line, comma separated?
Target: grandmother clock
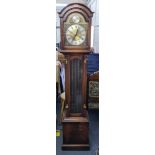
{"x": 75, "y": 25}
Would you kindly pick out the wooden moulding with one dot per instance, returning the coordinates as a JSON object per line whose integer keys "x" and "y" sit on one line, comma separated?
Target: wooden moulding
{"x": 75, "y": 147}
{"x": 75, "y": 6}
{"x": 76, "y": 51}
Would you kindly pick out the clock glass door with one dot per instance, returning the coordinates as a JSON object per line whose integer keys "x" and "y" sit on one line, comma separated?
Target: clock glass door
{"x": 76, "y": 85}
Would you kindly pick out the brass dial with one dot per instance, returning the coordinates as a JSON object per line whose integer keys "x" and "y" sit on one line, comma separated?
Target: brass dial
{"x": 76, "y": 34}
{"x": 76, "y": 19}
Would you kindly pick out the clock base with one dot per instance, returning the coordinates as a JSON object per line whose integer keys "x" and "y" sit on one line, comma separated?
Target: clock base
{"x": 75, "y": 133}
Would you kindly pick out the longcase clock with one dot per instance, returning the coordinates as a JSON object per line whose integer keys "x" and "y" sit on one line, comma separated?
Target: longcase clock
{"x": 75, "y": 26}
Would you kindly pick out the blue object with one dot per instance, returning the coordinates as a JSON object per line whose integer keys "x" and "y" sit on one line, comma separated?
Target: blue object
{"x": 93, "y": 63}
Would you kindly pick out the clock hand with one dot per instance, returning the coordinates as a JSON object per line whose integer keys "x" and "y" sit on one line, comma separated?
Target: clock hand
{"x": 76, "y": 33}
{"x": 73, "y": 34}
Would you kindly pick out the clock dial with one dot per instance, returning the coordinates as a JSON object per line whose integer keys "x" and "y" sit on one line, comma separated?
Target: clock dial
{"x": 76, "y": 34}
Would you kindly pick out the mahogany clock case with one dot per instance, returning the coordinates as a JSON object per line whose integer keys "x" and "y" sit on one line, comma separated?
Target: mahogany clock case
{"x": 75, "y": 25}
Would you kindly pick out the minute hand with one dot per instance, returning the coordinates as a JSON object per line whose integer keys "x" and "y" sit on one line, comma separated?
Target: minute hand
{"x": 76, "y": 33}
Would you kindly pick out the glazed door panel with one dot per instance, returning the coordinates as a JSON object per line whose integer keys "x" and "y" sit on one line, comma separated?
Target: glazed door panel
{"x": 76, "y": 76}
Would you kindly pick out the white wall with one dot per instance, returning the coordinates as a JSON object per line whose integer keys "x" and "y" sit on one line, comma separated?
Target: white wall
{"x": 94, "y": 6}
{"x": 58, "y": 25}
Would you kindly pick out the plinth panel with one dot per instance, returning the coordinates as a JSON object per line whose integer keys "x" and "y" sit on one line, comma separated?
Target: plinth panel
{"x": 75, "y": 135}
